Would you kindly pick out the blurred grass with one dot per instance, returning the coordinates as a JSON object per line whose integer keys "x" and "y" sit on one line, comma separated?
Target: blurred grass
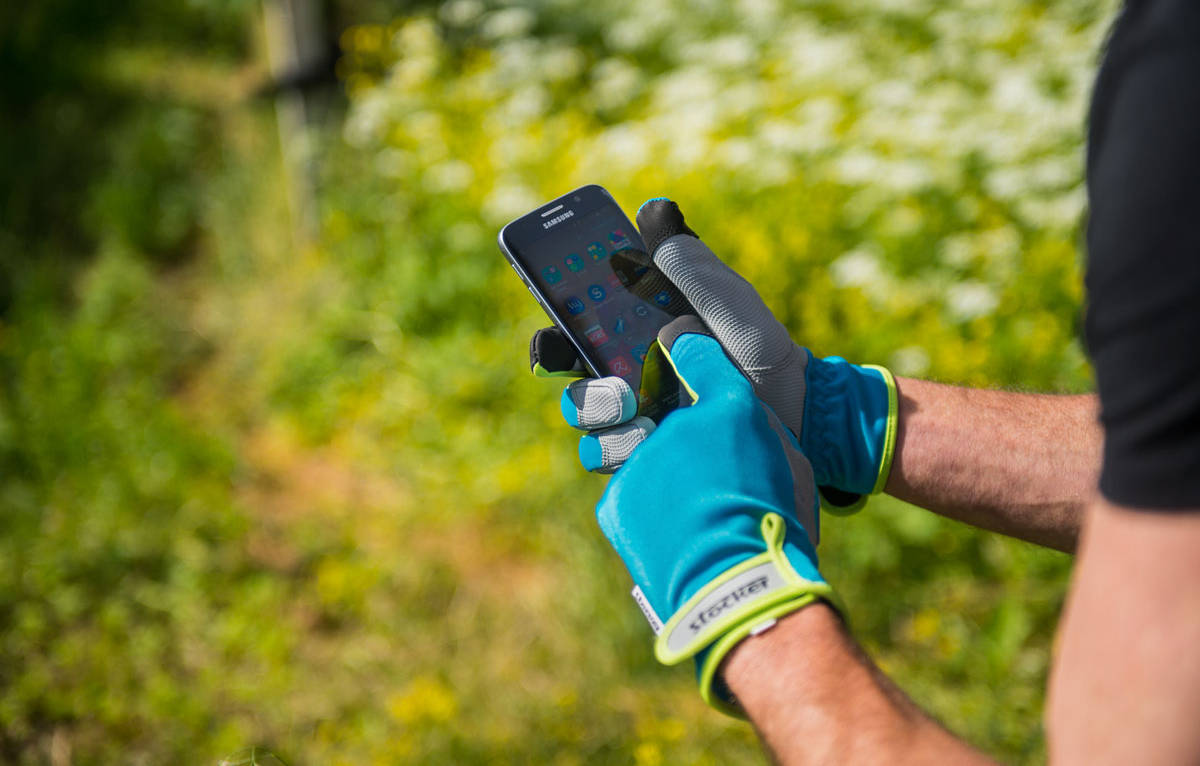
{"x": 309, "y": 497}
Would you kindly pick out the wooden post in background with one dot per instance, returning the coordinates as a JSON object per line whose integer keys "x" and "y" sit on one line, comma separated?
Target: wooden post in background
{"x": 296, "y": 42}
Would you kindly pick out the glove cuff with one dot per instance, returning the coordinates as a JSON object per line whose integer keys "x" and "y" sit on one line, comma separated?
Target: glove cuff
{"x": 743, "y": 599}
{"x": 851, "y": 416}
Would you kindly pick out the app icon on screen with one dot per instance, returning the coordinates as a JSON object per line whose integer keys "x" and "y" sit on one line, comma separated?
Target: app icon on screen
{"x": 552, "y": 275}
{"x": 642, "y": 310}
{"x": 614, "y": 282}
{"x": 621, "y": 365}
{"x": 662, "y": 298}
{"x": 596, "y": 335}
{"x": 575, "y": 305}
{"x": 597, "y": 251}
{"x": 618, "y": 325}
{"x": 639, "y": 352}
{"x": 596, "y": 293}
{"x": 618, "y": 239}
{"x": 574, "y": 262}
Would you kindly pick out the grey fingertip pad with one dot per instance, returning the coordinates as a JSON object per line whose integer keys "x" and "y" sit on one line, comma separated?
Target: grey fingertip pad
{"x": 598, "y": 402}
{"x": 606, "y": 451}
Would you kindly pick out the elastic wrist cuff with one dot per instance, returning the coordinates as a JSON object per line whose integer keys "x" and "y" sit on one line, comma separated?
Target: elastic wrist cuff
{"x": 840, "y": 503}
{"x": 849, "y": 429}
{"x": 733, "y": 605}
{"x": 891, "y": 428}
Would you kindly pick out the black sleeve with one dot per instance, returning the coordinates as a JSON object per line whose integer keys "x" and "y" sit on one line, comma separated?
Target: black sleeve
{"x": 1143, "y": 238}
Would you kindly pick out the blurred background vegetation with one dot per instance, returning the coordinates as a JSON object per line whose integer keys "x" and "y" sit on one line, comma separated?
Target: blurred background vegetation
{"x": 273, "y": 469}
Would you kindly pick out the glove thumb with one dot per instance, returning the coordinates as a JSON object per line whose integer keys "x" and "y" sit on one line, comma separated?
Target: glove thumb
{"x": 699, "y": 361}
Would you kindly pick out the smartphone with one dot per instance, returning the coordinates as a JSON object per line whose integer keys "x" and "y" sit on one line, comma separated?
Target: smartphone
{"x": 586, "y": 265}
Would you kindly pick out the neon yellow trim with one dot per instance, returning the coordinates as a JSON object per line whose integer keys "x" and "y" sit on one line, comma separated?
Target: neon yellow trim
{"x": 801, "y": 594}
{"x": 773, "y": 531}
{"x": 712, "y": 663}
{"x": 665, "y": 655}
{"x": 695, "y": 396}
{"x": 893, "y": 427}
{"x": 542, "y": 372}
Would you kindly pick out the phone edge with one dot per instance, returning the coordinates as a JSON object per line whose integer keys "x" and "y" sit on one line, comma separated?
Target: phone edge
{"x": 541, "y": 299}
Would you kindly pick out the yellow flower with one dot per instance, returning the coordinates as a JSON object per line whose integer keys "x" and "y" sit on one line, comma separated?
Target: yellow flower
{"x": 425, "y": 699}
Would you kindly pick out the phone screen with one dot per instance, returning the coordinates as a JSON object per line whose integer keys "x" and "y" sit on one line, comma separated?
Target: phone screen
{"x": 593, "y": 271}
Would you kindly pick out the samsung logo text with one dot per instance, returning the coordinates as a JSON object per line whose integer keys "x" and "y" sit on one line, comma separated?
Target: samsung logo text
{"x": 558, "y": 219}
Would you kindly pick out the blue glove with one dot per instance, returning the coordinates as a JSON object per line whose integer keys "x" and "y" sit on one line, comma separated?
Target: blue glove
{"x": 844, "y": 415}
{"x": 714, "y": 514}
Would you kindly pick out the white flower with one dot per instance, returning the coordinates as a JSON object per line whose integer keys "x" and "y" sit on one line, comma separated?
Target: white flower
{"x": 449, "y": 176}
{"x": 507, "y": 22}
{"x": 562, "y": 62}
{"x": 957, "y": 250}
{"x": 459, "y": 13}
{"x": 968, "y": 300}
{"x": 858, "y": 167}
{"x": 856, "y": 268}
{"x": 623, "y": 145}
{"x": 507, "y": 201}
{"x": 366, "y": 119}
{"x": 614, "y": 83}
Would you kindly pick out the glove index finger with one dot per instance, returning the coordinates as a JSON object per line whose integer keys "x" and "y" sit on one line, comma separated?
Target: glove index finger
{"x": 723, "y": 299}
{"x": 730, "y": 306}
{"x": 551, "y": 355}
{"x": 658, "y": 220}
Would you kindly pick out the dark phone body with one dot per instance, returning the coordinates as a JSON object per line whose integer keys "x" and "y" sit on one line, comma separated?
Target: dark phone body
{"x": 586, "y": 265}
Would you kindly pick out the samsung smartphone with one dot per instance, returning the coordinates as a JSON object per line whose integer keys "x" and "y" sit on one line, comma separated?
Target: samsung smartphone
{"x": 585, "y": 263}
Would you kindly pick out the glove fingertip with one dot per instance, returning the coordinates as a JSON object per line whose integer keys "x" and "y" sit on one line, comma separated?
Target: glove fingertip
{"x": 569, "y": 409}
{"x": 658, "y": 220}
{"x": 551, "y": 355}
{"x": 591, "y": 454}
{"x": 647, "y": 202}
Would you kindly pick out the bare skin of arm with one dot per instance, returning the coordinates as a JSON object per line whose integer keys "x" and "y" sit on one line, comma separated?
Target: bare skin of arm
{"x": 816, "y": 698}
{"x": 1021, "y": 464}
{"x": 1122, "y": 690}
{"x": 1126, "y": 685}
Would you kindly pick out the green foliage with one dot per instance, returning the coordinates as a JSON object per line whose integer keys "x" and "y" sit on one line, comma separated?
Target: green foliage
{"x": 310, "y": 498}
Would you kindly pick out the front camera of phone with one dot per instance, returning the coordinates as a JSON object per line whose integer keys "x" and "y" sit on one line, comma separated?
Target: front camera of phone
{"x": 577, "y": 197}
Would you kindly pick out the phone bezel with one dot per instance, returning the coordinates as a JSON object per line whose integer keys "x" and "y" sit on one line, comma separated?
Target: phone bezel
{"x": 591, "y": 197}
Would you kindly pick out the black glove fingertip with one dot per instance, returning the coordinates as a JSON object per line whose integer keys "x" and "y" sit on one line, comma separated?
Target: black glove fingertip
{"x": 550, "y": 353}
{"x": 660, "y": 219}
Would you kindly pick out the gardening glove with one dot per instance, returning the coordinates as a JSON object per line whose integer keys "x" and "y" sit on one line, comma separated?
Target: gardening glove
{"x": 844, "y": 415}
{"x": 737, "y": 552}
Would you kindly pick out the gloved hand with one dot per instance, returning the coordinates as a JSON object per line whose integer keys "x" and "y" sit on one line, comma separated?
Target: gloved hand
{"x": 738, "y": 553}
{"x": 844, "y": 415}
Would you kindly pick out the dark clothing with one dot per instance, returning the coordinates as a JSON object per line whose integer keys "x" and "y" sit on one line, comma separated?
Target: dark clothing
{"x": 1143, "y": 239}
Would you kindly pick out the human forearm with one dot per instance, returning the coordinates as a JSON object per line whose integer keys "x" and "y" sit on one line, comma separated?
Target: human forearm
{"x": 1021, "y": 464}
{"x": 814, "y": 697}
{"x": 1126, "y": 682}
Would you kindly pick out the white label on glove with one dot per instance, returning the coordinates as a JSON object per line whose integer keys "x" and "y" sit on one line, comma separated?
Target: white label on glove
{"x": 644, "y": 603}
{"x": 728, "y": 600}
